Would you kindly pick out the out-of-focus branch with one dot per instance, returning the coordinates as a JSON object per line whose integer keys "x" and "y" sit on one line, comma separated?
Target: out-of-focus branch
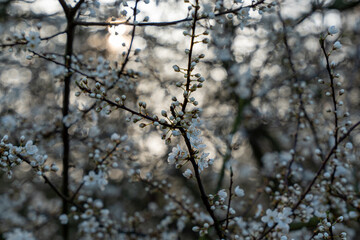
{"x": 332, "y": 86}
{"x": 301, "y": 106}
{"x": 230, "y": 197}
{"x": 169, "y": 23}
{"x": 321, "y": 168}
{"x": 24, "y": 42}
{"x": 131, "y": 41}
{"x": 64, "y": 65}
{"x": 111, "y": 103}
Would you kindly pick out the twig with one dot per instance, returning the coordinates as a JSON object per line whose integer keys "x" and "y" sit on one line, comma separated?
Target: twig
{"x": 189, "y": 68}
{"x": 331, "y": 76}
{"x": 131, "y": 41}
{"x": 230, "y": 197}
{"x": 128, "y": 109}
{"x": 188, "y": 212}
{"x": 101, "y": 162}
{"x": 301, "y": 106}
{"x": 161, "y": 24}
{"x": 24, "y": 42}
{"x": 64, "y": 65}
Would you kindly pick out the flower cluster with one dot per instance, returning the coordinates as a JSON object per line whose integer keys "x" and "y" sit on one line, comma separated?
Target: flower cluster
{"x": 33, "y": 40}
{"x": 281, "y": 219}
{"x": 12, "y": 156}
{"x": 18, "y": 234}
{"x": 94, "y": 220}
{"x": 178, "y": 156}
{"x": 94, "y": 179}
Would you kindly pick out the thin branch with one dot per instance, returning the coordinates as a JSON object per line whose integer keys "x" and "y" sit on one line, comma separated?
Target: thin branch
{"x": 100, "y": 162}
{"x": 114, "y": 104}
{"x": 62, "y": 196}
{"x": 189, "y": 67}
{"x": 77, "y": 191}
{"x": 109, "y": 153}
{"x": 24, "y": 42}
{"x": 331, "y": 76}
{"x": 301, "y": 106}
{"x": 230, "y": 197}
{"x": 180, "y": 203}
{"x": 203, "y": 194}
{"x": 161, "y": 24}
{"x": 71, "y": 200}
{"x": 332, "y": 151}
{"x": 52, "y": 36}
{"x": 131, "y": 42}
{"x": 52, "y": 186}
{"x": 331, "y": 232}
{"x": 64, "y": 65}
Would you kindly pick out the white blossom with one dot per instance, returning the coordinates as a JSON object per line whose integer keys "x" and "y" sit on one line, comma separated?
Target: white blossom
{"x": 89, "y": 226}
{"x": 94, "y": 179}
{"x": 63, "y": 219}
{"x": 284, "y": 219}
{"x": 33, "y": 40}
{"x": 115, "y": 137}
{"x": 222, "y": 194}
{"x": 332, "y": 30}
{"x": 337, "y": 45}
{"x": 239, "y": 192}
{"x": 270, "y": 218}
{"x": 188, "y": 173}
{"x": 30, "y": 148}
{"x": 203, "y": 162}
{"x": 177, "y": 155}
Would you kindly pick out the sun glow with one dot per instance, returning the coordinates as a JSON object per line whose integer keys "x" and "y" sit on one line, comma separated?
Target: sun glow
{"x": 118, "y": 36}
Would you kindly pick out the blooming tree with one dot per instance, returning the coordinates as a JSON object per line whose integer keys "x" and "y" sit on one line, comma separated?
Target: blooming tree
{"x": 142, "y": 119}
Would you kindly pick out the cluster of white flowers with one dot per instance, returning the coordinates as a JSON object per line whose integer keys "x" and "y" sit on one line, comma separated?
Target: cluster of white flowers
{"x": 194, "y": 135}
{"x": 12, "y": 156}
{"x": 281, "y": 219}
{"x": 95, "y": 179}
{"x": 178, "y": 156}
{"x": 19, "y": 234}
{"x": 95, "y": 221}
{"x": 33, "y": 40}
{"x": 239, "y": 192}
{"x": 206, "y": 221}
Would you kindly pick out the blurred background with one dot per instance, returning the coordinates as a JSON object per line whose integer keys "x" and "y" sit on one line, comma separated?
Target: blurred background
{"x": 249, "y": 100}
